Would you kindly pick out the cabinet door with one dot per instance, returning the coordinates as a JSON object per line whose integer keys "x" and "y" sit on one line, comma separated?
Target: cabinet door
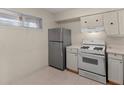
{"x": 96, "y": 20}
{"x": 84, "y": 22}
{"x": 111, "y": 23}
{"x": 92, "y": 21}
{"x": 72, "y": 61}
{"x": 115, "y": 70}
{"x": 121, "y": 22}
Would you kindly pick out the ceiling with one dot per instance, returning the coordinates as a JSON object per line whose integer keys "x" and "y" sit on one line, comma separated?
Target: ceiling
{"x": 56, "y": 10}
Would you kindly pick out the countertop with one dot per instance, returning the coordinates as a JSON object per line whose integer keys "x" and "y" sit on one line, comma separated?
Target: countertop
{"x": 109, "y": 49}
{"x": 115, "y": 49}
{"x": 74, "y": 46}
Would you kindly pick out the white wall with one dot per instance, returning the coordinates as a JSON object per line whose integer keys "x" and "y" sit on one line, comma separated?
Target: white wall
{"x": 22, "y": 50}
{"x": 115, "y": 41}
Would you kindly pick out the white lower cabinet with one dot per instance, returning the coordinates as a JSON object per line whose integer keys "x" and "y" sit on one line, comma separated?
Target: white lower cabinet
{"x": 115, "y": 69}
{"x": 71, "y": 60}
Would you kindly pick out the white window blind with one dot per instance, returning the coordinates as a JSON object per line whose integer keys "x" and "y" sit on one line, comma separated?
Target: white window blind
{"x": 32, "y": 22}
{"x": 17, "y": 19}
{"x": 6, "y": 19}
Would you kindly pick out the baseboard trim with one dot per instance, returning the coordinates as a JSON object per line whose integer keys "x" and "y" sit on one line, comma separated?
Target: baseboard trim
{"x": 76, "y": 72}
{"x": 112, "y": 82}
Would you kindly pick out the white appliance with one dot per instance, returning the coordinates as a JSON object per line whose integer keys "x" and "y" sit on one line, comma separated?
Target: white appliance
{"x": 71, "y": 58}
{"x": 91, "y": 60}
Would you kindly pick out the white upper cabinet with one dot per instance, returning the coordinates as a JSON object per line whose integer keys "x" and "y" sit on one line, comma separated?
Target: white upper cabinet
{"x": 111, "y": 24}
{"x": 121, "y": 22}
{"x": 91, "y": 21}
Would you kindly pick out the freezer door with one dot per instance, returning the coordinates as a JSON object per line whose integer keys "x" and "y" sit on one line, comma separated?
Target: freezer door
{"x": 55, "y": 34}
{"x": 66, "y": 36}
{"x": 56, "y": 55}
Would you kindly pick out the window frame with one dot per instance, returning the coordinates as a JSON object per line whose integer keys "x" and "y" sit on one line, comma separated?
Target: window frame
{"x": 37, "y": 18}
{"x": 20, "y": 17}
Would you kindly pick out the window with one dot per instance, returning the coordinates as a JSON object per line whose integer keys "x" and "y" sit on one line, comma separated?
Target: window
{"x": 17, "y": 19}
{"x": 6, "y": 19}
{"x": 29, "y": 21}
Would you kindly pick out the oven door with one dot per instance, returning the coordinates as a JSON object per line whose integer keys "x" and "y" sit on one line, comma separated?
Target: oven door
{"x": 92, "y": 63}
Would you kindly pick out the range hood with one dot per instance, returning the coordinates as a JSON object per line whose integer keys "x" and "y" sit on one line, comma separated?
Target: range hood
{"x": 93, "y": 29}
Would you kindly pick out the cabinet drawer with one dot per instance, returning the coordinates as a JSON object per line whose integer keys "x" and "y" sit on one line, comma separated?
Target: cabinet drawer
{"x": 72, "y": 50}
{"x": 115, "y": 56}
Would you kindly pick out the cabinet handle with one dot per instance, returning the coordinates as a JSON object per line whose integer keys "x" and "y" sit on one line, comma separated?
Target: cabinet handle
{"x": 97, "y": 20}
{"x": 120, "y": 62}
{"x": 111, "y": 23}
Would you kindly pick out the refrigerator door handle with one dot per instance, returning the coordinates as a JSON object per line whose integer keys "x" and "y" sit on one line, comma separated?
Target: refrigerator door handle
{"x": 61, "y": 51}
{"x": 61, "y": 35}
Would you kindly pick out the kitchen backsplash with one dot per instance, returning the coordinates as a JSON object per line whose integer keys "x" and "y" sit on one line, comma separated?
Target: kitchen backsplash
{"x": 115, "y": 41}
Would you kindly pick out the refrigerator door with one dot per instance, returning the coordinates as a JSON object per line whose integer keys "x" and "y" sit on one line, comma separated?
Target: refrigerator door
{"x": 55, "y": 34}
{"x": 56, "y": 55}
{"x": 66, "y": 36}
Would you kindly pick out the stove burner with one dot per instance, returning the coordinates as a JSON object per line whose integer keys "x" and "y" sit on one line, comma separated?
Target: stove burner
{"x": 98, "y": 48}
{"x": 85, "y": 47}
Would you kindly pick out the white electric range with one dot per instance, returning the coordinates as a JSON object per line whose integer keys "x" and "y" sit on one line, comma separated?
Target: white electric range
{"x": 91, "y": 60}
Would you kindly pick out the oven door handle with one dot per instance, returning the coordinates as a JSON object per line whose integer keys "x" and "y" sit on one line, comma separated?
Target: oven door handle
{"x": 90, "y": 55}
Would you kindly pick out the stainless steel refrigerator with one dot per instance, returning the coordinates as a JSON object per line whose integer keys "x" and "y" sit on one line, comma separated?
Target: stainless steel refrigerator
{"x": 58, "y": 39}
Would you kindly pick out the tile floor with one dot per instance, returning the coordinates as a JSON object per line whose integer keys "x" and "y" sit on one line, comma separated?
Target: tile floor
{"x": 52, "y": 76}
